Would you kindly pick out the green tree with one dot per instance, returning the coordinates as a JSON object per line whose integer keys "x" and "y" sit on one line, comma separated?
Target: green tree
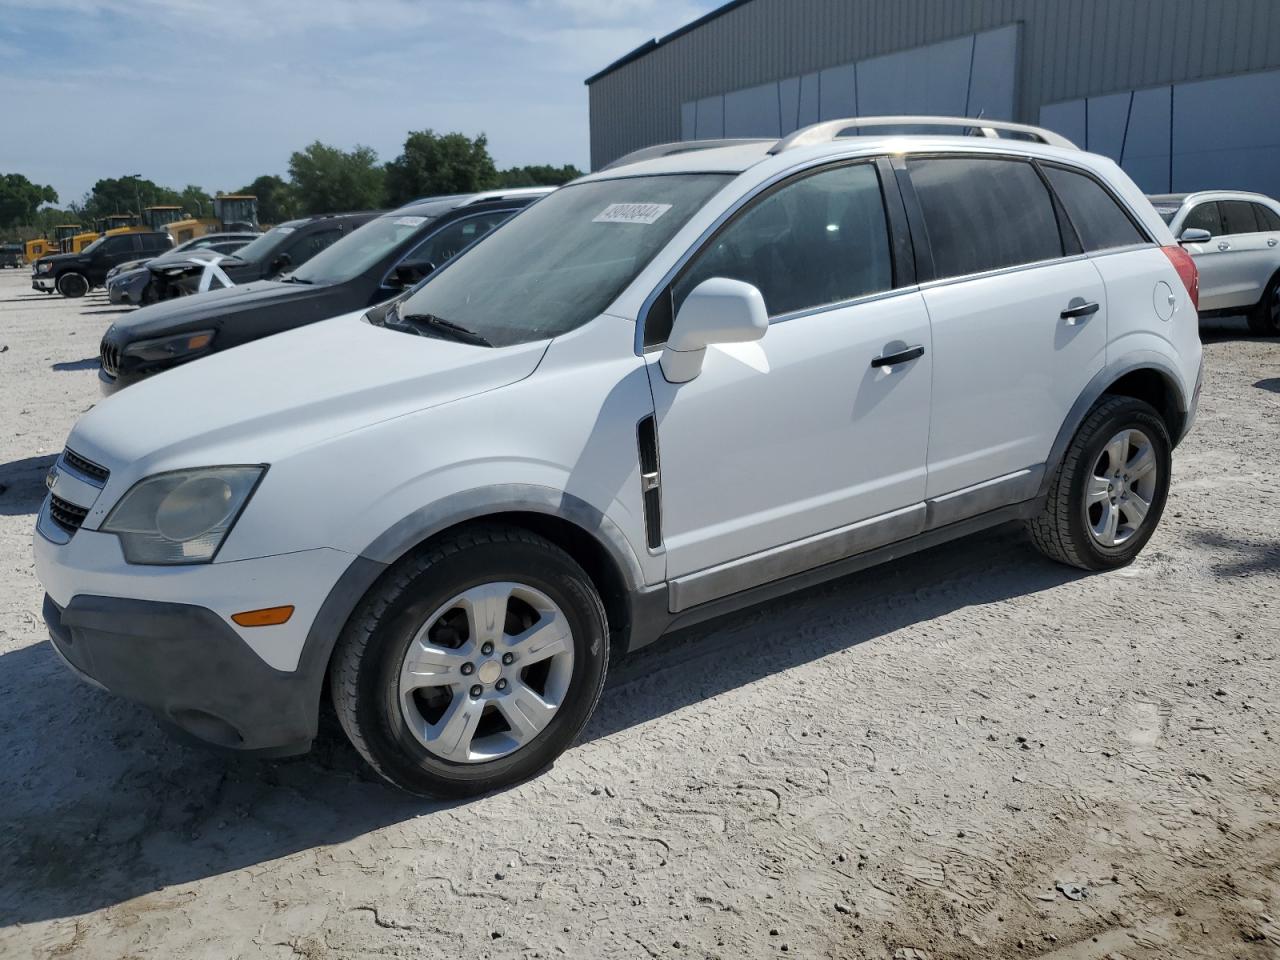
{"x": 540, "y": 175}
{"x": 329, "y": 180}
{"x": 195, "y": 201}
{"x": 20, "y": 199}
{"x": 434, "y": 164}
{"x": 276, "y": 200}
{"x": 125, "y": 194}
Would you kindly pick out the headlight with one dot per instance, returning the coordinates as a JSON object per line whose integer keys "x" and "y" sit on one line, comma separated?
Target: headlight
{"x": 46, "y": 267}
{"x": 181, "y": 517}
{"x": 169, "y": 348}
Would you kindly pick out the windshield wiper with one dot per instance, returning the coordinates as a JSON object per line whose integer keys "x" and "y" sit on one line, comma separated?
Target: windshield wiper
{"x": 456, "y": 330}
{"x": 290, "y": 278}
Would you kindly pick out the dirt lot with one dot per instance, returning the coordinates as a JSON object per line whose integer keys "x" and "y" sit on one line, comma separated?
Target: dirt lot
{"x": 972, "y": 753}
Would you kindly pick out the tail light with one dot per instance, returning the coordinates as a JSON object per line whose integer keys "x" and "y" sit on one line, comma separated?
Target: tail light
{"x": 1187, "y": 272}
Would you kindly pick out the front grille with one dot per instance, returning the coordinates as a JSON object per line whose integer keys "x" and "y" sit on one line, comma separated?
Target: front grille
{"x": 110, "y": 358}
{"x": 86, "y": 467}
{"x": 66, "y": 515}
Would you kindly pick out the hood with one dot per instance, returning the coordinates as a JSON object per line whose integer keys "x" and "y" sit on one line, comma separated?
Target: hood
{"x": 204, "y": 311}
{"x": 200, "y": 254}
{"x": 260, "y": 402}
{"x": 56, "y": 258}
{"x": 127, "y": 265}
{"x": 192, "y": 261}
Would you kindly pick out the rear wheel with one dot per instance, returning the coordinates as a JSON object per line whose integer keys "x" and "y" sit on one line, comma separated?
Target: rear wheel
{"x": 473, "y": 664}
{"x": 1107, "y": 497}
{"x": 73, "y": 285}
{"x": 1264, "y": 318}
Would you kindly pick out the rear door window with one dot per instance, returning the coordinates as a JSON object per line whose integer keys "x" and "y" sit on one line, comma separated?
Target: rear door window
{"x": 984, "y": 213}
{"x": 1204, "y": 216}
{"x": 818, "y": 240}
{"x": 1237, "y": 217}
{"x": 451, "y": 239}
{"x": 313, "y": 243}
{"x": 1097, "y": 216}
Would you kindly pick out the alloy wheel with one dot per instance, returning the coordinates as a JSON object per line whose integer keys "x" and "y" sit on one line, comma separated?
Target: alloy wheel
{"x": 486, "y": 672}
{"x": 1122, "y": 485}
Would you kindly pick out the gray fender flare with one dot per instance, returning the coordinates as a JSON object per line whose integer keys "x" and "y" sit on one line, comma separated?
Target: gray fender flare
{"x": 498, "y": 499}
{"x": 424, "y": 523}
{"x": 1104, "y": 378}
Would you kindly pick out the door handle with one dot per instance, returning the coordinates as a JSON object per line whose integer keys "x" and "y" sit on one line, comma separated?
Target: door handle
{"x": 1224, "y": 245}
{"x": 902, "y": 356}
{"x": 1078, "y": 310}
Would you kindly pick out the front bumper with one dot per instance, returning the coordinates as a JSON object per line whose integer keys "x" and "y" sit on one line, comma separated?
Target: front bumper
{"x": 190, "y": 667}
{"x": 128, "y": 288}
{"x": 43, "y": 283}
{"x": 163, "y": 637}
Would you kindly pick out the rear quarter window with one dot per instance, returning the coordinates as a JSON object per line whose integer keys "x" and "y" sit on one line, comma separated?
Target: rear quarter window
{"x": 984, "y": 213}
{"x": 1268, "y": 219}
{"x": 1100, "y": 221}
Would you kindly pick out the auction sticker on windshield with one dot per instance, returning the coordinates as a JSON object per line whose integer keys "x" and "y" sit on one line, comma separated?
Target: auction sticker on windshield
{"x": 631, "y": 213}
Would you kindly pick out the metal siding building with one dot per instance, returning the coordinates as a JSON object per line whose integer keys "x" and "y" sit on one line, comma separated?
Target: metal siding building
{"x": 1185, "y": 94}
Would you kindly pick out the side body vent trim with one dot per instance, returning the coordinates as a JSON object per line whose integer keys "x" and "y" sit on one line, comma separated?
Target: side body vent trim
{"x": 650, "y": 480}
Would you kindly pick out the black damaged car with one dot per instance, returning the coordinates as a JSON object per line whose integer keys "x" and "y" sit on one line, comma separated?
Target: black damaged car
{"x": 284, "y": 247}
{"x": 371, "y": 265}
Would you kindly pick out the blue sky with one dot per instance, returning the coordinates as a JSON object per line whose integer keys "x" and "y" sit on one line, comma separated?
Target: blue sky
{"x": 216, "y": 92}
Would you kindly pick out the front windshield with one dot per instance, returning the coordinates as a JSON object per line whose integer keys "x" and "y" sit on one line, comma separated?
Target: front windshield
{"x": 564, "y": 259}
{"x": 94, "y": 246}
{"x": 262, "y": 247}
{"x": 359, "y": 250}
{"x": 1167, "y": 213}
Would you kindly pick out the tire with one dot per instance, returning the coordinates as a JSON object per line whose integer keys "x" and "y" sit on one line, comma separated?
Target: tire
{"x": 73, "y": 285}
{"x": 1072, "y": 527}
{"x": 1264, "y": 318}
{"x": 423, "y": 598}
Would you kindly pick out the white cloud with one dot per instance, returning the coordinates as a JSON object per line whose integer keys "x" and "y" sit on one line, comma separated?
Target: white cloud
{"x": 188, "y": 91}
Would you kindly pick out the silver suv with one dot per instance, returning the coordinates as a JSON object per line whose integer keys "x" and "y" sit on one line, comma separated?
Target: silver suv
{"x": 1234, "y": 238}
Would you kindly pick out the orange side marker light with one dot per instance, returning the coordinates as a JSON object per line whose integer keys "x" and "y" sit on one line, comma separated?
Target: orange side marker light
{"x": 267, "y": 617}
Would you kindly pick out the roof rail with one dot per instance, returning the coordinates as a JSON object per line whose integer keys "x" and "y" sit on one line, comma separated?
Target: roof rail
{"x": 681, "y": 146}
{"x": 830, "y": 130}
{"x": 505, "y": 194}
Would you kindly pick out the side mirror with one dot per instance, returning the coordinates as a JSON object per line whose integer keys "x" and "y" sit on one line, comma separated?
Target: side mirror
{"x": 718, "y": 310}
{"x": 407, "y": 274}
{"x": 1195, "y": 235}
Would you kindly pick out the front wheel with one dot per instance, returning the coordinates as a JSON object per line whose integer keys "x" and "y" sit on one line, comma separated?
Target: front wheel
{"x": 1109, "y": 491}
{"x": 73, "y": 285}
{"x": 472, "y": 664}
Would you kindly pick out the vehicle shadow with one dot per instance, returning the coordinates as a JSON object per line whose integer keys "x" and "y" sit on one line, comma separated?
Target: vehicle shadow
{"x": 85, "y": 313}
{"x": 22, "y": 486}
{"x": 101, "y": 806}
{"x": 1270, "y": 383}
{"x": 88, "y": 363}
{"x": 1249, "y": 557}
{"x": 1221, "y": 329}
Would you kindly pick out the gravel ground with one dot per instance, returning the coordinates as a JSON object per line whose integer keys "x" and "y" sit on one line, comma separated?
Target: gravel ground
{"x": 970, "y": 753}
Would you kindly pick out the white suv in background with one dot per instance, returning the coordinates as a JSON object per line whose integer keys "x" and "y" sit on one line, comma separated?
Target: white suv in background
{"x": 707, "y": 375}
{"x": 1234, "y": 238}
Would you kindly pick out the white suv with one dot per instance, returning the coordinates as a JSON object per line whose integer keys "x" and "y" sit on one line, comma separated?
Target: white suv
{"x": 707, "y": 375}
{"x": 1234, "y": 238}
